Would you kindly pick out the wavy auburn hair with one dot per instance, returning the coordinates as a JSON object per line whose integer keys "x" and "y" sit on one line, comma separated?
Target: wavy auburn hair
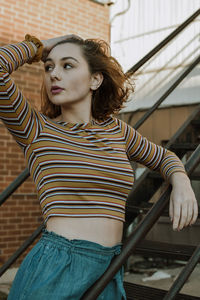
{"x": 114, "y": 90}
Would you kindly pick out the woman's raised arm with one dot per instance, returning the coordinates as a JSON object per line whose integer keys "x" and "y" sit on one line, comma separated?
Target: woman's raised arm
{"x": 22, "y": 121}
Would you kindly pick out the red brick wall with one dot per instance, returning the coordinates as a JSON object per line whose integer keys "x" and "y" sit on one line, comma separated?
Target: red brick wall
{"x": 20, "y": 215}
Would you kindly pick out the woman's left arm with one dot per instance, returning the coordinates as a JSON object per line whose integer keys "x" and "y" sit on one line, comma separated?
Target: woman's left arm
{"x": 183, "y": 204}
{"x": 183, "y": 208}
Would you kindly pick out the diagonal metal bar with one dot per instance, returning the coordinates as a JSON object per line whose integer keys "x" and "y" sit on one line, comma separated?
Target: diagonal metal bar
{"x": 19, "y": 251}
{"x": 184, "y": 275}
{"x": 163, "y": 43}
{"x": 14, "y": 185}
{"x": 167, "y": 93}
{"x": 137, "y": 235}
{"x": 193, "y": 161}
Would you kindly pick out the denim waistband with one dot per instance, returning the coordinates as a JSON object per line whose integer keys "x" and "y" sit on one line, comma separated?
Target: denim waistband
{"x": 62, "y": 241}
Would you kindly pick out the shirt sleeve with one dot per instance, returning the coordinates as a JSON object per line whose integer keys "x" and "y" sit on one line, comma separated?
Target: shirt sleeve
{"x": 21, "y": 119}
{"x": 153, "y": 156}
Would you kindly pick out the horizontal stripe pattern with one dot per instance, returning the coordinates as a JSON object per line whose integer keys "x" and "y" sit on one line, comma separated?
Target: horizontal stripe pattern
{"x": 80, "y": 170}
{"x": 153, "y": 156}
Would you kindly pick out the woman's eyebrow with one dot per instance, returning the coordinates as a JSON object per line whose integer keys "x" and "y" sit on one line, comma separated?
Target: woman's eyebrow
{"x": 69, "y": 57}
{"x": 64, "y": 58}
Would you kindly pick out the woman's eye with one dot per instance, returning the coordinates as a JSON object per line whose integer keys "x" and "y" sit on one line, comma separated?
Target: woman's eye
{"x": 67, "y": 66}
{"x": 47, "y": 68}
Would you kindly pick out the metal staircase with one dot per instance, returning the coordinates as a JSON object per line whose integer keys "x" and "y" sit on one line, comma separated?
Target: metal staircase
{"x": 131, "y": 244}
{"x": 184, "y": 142}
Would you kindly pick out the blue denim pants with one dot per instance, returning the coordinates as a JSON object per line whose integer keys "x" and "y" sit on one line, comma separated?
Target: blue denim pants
{"x": 60, "y": 269}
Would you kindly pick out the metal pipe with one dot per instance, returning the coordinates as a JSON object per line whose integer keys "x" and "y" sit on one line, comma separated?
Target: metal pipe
{"x": 136, "y": 236}
{"x": 14, "y": 185}
{"x": 19, "y": 251}
{"x": 193, "y": 161}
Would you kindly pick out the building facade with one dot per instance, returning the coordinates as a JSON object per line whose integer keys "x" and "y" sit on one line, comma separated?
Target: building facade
{"x": 20, "y": 215}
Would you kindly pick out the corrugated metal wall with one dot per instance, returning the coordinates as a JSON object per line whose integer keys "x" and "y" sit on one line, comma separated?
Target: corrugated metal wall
{"x": 143, "y": 26}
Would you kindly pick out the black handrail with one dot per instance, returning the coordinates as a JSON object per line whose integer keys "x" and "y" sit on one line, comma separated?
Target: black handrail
{"x": 184, "y": 275}
{"x": 167, "y": 93}
{"x": 14, "y": 185}
{"x": 138, "y": 234}
{"x": 21, "y": 249}
{"x": 163, "y": 43}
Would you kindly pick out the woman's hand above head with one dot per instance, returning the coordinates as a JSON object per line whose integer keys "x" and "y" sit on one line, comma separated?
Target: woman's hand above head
{"x": 183, "y": 209}
{"x": 50, "y": 43}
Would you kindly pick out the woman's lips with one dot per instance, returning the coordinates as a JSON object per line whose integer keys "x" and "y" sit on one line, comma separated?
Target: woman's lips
{"x": 56, "y": 91}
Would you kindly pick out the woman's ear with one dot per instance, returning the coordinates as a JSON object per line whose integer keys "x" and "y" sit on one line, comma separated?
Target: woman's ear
{"x": 96, "y": 81}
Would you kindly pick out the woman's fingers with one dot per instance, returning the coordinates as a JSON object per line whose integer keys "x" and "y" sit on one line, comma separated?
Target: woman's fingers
{"x": 183, "y": 212}
{"x": 183, "y": 217}
{"x": 171, "y": 210}
{"x": 190, "y": 209}
{"x": 50, "y": 43}
{"x": 176, "y": 216}
{"x": 184, "y": 207}
{"x": 195, "y": 213}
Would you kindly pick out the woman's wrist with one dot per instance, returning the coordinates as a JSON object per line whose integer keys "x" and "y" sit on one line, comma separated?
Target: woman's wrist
{"x": 38, "y": 46}
{"x": 179, "y": 178}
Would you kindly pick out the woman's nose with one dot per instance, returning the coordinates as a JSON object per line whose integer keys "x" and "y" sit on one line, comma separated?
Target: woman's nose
{"x": 55, "y": 74}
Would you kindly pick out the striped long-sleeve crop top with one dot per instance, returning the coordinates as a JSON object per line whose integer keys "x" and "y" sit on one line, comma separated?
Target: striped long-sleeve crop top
{"x": 79, "y": 169}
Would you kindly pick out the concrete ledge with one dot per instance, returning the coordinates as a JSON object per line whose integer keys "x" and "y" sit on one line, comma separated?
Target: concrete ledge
{"x": 6, "y": 280}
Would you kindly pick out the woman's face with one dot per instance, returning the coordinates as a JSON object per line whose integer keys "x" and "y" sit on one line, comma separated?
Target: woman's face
{"x": 67, "y": 76}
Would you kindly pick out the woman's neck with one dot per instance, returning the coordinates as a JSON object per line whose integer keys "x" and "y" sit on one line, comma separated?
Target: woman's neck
{"x": 81, "y": 114}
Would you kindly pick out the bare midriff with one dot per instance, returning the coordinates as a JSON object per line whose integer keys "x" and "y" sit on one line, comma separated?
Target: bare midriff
{"x": 104, "y": 231}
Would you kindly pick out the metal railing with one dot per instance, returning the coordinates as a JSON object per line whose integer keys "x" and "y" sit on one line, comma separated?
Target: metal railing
{"x": 163, "y": 43}
{"x": 184, "y": 275}
{"x": 138, "y": 234}
{"x": 14, "y": 185}
{"x": 21, "y": 250}
{"x": 167, "y": 93}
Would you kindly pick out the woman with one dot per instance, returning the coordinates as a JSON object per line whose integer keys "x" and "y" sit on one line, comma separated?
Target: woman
{"x": 78, "y": 156}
